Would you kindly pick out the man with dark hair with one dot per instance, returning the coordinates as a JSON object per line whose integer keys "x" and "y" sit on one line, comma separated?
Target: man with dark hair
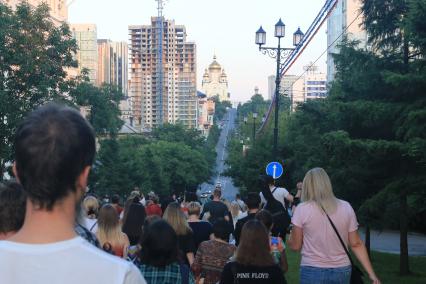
{"x": 12, "y": 208}
{"x": 115, "y": 200}
{"x": 253, "y": 203}
{"x": 216, "y": 208}
{"x": 54, "y": 149}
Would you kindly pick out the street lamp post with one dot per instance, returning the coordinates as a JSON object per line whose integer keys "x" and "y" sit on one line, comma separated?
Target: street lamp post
{"x": 254, "y": 126}
{"x": 279, "y": 53}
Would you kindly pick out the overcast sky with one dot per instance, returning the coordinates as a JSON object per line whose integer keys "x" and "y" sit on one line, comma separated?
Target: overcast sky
{"x": 226, "y": 27}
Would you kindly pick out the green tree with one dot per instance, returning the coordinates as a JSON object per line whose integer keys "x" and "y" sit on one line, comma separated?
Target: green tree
{"x": 33, "y": 56}
{"x": 103, "y": 103}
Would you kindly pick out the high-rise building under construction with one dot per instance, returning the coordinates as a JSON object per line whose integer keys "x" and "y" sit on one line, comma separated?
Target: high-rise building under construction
{"x": 162, "y": 75}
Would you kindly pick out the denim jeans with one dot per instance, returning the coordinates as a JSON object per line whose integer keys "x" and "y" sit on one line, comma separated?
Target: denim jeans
{"x": 318, "y": 275}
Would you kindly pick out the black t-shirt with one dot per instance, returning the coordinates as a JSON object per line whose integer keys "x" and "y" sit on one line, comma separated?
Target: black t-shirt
{"x": 217, "y": 210}
{"x": 202, "y": 231}
{"x": 239, "y": 226}
{"x": 251, "y": 274}
{"x": 186, "y": 245}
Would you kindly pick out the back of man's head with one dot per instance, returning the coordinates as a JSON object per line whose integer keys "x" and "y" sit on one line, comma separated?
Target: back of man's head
{"x": 237, "y": 196}
{"x": 115, "y": 199}
{"x": 53, "y": 146}
{"x": 12, "y": 207}
{"x": 253, "y": 200}
{"x": 217, "y": 192}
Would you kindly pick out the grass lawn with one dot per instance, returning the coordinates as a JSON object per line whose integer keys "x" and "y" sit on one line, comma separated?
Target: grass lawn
{"x": 386, "y": 267}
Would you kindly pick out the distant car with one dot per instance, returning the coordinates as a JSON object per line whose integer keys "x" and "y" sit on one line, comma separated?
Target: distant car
{"x": 218, "y": 184}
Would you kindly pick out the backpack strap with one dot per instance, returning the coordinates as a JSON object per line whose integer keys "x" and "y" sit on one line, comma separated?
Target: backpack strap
{"x": 274, "y": 190}
{"x": 94, "y": 224}
{"x": 338, "y": 235}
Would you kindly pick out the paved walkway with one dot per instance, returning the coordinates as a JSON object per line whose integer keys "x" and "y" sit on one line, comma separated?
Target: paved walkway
{"x": 388, "y": 241}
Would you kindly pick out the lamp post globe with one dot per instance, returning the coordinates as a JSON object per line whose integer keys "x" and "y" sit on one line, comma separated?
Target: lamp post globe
{"x": 297, "y": 37}
{"x": 260, "y": 37}
{"x": 279, "y": 29}
{"x": 254, "y": 115}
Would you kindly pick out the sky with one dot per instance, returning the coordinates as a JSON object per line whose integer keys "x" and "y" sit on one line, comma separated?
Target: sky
{"x": 224, "y": 27}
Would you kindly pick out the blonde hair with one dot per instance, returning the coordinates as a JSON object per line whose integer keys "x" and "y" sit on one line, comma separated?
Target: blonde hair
{"x": 317, "y": 188}
{"x": 235, "y": 209}
{"x": 194, "y": 208}
{"x": 109, "y": 229}
{"x": 91, "y": 206}
{"x": 177, "y": 219}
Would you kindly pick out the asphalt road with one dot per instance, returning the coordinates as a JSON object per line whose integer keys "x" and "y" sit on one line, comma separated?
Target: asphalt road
{"x": 228, "y": 188}
{"x": 388, "y": 241}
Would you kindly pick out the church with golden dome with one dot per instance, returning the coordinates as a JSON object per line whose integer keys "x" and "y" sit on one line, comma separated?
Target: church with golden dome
{"x": 215, "y": 81}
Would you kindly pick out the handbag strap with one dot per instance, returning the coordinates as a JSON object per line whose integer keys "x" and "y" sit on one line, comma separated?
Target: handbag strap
{"x": 338, "y": 235}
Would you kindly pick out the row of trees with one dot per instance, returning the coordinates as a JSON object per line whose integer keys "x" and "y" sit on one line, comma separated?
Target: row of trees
{"x": 173, "y": 159}
{"x": 34, "y": 58}
{"x": 370, "y": 132}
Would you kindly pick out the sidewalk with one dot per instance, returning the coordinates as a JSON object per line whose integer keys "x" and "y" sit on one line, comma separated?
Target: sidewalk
{"x": 388, "y": 241}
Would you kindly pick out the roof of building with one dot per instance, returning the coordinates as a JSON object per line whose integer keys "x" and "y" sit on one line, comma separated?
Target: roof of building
{"x": 215, "y": 65}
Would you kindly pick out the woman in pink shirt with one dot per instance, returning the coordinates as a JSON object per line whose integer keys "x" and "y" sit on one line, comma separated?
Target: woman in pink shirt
{"x": 324, "y": 259}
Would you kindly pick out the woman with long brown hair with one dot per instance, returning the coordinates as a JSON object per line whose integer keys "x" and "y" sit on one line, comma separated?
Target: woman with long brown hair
{"x": 177, "y": 219}
{"x": 109, "y": 233}
{"x": 253, "y": 262}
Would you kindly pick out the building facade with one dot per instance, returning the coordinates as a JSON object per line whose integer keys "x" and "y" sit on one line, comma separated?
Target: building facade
{"x": 215, "y": 82}
{"x": 113, "y": 64}
{"x": 312, "y": 85}
{"x": 206, "y": 110}
{"x": 344, "y": 20}
{"x": 162, "y": 88}
{"x": 87, "y": 53}
{"x": 271, "y": 87}
{"x": 58, "y": 8}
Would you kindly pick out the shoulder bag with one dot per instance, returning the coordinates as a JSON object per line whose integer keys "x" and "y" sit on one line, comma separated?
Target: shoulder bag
{"x": 356, "y": 274}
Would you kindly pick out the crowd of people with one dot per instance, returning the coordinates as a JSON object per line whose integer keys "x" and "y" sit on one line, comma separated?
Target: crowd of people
{"x": 53, "y": 231}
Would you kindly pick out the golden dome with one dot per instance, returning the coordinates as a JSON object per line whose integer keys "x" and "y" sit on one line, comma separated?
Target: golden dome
{"x": 215, "y": 65}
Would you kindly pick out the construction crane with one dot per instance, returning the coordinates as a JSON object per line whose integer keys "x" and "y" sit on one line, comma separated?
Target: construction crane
{"x": 159, "y": 68}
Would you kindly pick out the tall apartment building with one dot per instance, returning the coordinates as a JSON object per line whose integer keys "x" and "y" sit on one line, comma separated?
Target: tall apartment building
{"x": 112, "y": 64}
{"x": 162, "y": 87}
{"x": 58, "y": 8}
{"x": 87, "y": 53}
{"x": 271, "y": 87}
{"x": 311, "y": 86}
{"x": 286, "y": 85}
{"x": 344, "y": 20}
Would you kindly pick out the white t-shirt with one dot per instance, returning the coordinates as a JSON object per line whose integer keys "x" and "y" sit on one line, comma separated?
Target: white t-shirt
{"x": 67, "y": 262}
{"x": 279, "y": 194}
{"x": 90, "y": 224}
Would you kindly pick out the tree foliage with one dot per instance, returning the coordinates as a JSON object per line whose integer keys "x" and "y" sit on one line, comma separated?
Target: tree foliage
{"x": 369, "y": 133}
{"x": 33, "y": 55}
{"x": 174, "y": 159}
{"x": 34, "y": 58}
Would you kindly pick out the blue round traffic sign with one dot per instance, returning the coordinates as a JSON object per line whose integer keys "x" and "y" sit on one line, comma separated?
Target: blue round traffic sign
{"x": 274, "y": 169}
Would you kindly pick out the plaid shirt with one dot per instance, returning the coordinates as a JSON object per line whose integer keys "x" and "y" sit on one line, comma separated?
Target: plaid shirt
{"x": 169, "y": 274}
{"x": 87, "y": 235}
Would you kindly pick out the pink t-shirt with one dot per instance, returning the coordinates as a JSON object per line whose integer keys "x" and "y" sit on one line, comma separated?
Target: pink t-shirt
{"x": 321, "y": 247}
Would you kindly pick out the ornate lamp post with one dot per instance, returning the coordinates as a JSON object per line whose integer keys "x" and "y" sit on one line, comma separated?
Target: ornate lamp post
{"x": 279, "y": 53}
{"x": 254, "y": 126}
